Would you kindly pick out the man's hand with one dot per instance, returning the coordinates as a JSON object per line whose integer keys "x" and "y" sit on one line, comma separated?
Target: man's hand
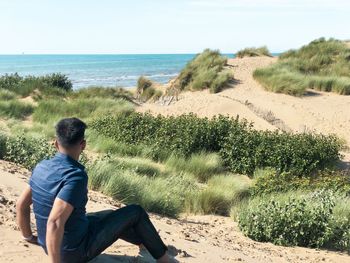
{"x": 58, "y": 217}
{"x": 23, "y": 212}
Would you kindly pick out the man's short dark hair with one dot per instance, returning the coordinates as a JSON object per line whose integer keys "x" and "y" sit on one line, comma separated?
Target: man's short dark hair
{"x": 70, "y": 131}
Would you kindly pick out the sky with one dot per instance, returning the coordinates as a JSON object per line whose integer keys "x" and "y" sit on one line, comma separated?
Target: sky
{"x": 163, "y": 26}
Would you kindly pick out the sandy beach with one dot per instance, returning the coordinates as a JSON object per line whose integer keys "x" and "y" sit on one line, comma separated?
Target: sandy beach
{"x": 317, "y": 111}
{"x": 195, "y": 239}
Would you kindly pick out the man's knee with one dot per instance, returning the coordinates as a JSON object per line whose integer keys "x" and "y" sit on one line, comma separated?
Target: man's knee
{"x": 138, "y": 209}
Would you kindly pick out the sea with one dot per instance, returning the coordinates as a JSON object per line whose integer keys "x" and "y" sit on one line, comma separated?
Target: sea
{"x": 99, "y": 70}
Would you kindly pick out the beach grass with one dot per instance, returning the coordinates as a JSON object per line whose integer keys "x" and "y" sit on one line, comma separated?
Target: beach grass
{"x": 202, "y": 165}
{"x": 321, "y": 65}
{"x": 159, "y": 194}
{"x": 205, "y": 71}
{"x": 101, "y": 92}
{"x": 7, "y": 95}
{"x": 254, "y": 52}
{"x": 219, "y": 195}
{"x": 50, "y": 111}
{"x": 15, "y": 109}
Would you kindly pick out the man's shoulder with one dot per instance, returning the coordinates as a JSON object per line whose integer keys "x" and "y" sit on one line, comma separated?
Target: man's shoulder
{"x": 63, "y": 169}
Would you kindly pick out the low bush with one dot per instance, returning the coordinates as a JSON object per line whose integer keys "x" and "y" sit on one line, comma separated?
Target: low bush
{"x": 28, "y": 151}
{"x": 254, "y": 52}
{"x": 203, "y": 165}
{"x": 15, "y": 109}
{"x": 24, "y": 86}
{"x": 268, "y": 181}
{"x": 205, "y": 71}
{"x": 182, "y": 135}
{"x": 3, "y": 148}
{"x": 301, "y": 154}
{"x": 316, "y": 219}
{"x": 241, "y": 148}
{"x": 57, "y": 80}
{"x": 298, "y": 221}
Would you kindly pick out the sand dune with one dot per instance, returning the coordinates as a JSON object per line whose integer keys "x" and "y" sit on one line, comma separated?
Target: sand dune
{"x": 317, "y": 111}
{"x": 197, "y": 239}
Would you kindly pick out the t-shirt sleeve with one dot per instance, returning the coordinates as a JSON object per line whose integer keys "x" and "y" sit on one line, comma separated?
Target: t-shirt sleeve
{"x": 74, "y": 190}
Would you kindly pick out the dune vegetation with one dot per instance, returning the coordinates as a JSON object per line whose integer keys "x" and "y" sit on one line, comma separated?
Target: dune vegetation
{"x": 321, "y": 65}
{"x": 146, "y": 90}
{"x": 254, "y": 52}
{"x": 204, "y": 71}
{"x": 187, "y": 164}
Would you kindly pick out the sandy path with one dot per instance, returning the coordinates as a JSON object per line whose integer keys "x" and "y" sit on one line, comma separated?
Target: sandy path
{"x": 198, "y": 239}
{"x": 319, "y": 111}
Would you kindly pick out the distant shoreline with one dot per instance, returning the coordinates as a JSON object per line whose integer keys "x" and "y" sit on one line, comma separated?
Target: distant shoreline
{"x": 100, "y": 70}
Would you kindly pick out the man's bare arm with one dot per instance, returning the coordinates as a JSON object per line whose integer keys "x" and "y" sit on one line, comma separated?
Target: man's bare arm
{"x": 23, "y": 214}
{"x": 58, "y": 217}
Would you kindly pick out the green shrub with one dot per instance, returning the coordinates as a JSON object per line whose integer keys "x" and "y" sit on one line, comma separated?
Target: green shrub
{"x": 322, "y": 65}
{"x": 340, "y": 225}
{"x": 220, "y": 194}
{"x": 254, "y": 52}
{"x": 205, "y": 71}
{"x": 3, "y": 140}
{"x": 298, "y": 221}
{"x": 57, "y": 80}
{"x": 25, "y": 86}
{"x": 182, "y": 135}
{"x": 241, "y": 148}
{"x": 202, "y": 165}
{"x": 28, "y": 151}
{"x": 10, "y": 81}
{"x": 246, "y": 150}
{"x": 268, "y": 181}
{"x": 15, "y": 109}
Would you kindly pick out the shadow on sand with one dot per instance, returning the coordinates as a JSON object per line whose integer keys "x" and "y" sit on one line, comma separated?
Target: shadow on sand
{"x": 109, "y": 258}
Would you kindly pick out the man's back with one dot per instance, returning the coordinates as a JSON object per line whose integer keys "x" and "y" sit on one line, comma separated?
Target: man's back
{"x": 65, "y": 178}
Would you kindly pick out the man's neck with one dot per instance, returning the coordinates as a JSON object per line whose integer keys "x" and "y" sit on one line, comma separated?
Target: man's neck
{"x": 72, "y": 155}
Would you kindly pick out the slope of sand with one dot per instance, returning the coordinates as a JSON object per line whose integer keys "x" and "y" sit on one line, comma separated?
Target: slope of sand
{"x": 318, "y": 111}
{"x": 197, "y": 239}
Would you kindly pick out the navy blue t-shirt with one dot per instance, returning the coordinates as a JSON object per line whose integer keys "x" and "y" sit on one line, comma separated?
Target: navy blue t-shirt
{"x": 65, "y": 178}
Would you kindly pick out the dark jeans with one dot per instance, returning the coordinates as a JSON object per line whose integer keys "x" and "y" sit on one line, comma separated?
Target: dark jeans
{"x": 130, "y": 223}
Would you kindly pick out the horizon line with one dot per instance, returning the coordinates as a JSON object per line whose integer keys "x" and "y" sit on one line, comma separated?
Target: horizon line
{"x": 108, "y": 54}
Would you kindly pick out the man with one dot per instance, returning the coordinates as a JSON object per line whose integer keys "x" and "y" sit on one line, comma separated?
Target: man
{"x": 58, "y": 191}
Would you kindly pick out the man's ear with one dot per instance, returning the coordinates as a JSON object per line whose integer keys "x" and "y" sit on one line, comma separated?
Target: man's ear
{"x": 83, "y": 145}
{"x": 56, "y": 144}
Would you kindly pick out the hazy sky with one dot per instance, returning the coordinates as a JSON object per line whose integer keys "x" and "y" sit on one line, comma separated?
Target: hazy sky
{"x": 162, "y": 26}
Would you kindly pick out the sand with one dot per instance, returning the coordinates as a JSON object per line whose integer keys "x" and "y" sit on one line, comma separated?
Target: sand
{"x": 196, "y": 239}
{"x": 317, "y": 111}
